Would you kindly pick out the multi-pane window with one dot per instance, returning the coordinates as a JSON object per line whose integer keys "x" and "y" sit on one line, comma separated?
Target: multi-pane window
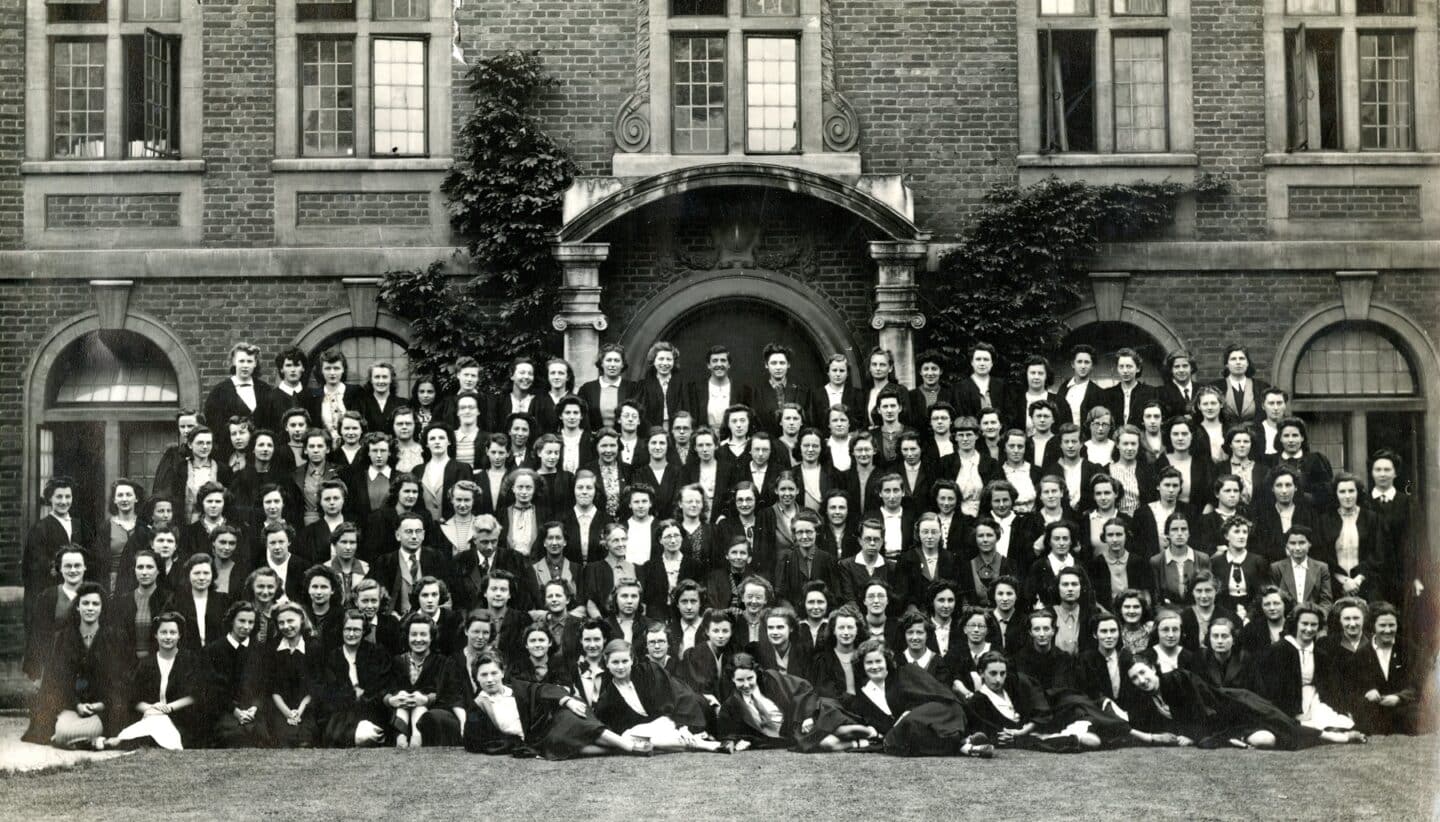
{"x": 772, "y": 93}
{"x": 401, "y": 9}
{"x": 697, "y": 8}
{"x": 765, "y": 8}
{"x": 1140, "y": 113}
{"x": 149, "y": 11}
{"x": 78, "y": 99}
{"x": 698, "y": 95}
{"x": 1101, "y": 75}
{"x": 1311, "y": 6}
{"x": 1386, "y": 68}
{"x": 328, "y": 96}
{"x": 398, "y": 67}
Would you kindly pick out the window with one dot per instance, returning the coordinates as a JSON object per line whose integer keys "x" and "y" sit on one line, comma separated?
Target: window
{"x": 1351, "y": 360}
{"x": 699, "y": 73}
{"x": 1104, "y": 76}
{"x": 1349, "y": 88}
{"x": 147, "y": 123}
{"x": 366, "y": 76}
{"x": 78, "y": 108}
{"x": 75, "y": 11}
{"x": 710, "y": 113}
{"x": 328, "y": 95}
{"x": 363, "y": 350}
{"x": 399, "y": 102}
{"x": 1386, "y": 66}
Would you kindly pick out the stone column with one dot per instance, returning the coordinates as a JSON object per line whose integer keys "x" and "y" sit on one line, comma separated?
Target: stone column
{"x": 897, "y": 305}
{"x": 580, "y": 317}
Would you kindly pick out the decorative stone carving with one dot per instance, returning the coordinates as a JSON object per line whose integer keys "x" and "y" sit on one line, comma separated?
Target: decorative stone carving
{"x": 841, "y": 127}
{"x": 1108, "y": 288}
{"x": 632, "y": 123}
{"x": 363, "y": 294}
{"x": 1355, "y": 290}
{"x": 112, "y": 302}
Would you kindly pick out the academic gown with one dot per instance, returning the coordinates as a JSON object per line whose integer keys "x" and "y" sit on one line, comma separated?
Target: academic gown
{"x": 550, "y": 729}
{"x": 797, "y": 701}
{"x": 935, "y": 724}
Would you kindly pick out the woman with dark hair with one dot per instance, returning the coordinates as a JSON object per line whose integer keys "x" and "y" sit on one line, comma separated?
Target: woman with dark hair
{"x": 880, "y": 374}
{"x": 559, "y": 384}
{"x": 1396, "y": 507}
{"x": 833, "y": 664}
{"x": 469, "y": 438}
{"x": 519, "y": 395}
{"x": 924, "y": 564}
{"x": 1101, "y": 503}
{"x": 1137, "y": 620}
{"x": 772, "y": 709}
{"x": 53, "y": 606}
{"x": 155, "y": 511}
{"x": 1209, "y": 428}
{"x": 916, "y": 715}
{"x": 1196, "y": 470}
{"x": 166, "y": 692}
{"x": 515, "y": 716}
{"x": 1116, "y": 567}
{"x": 440, "y": 471}
{"x": 213, "y": 508}
{"x": 197, "y": 470}
{"x": 662, "y": 575}
{"x": 1242, "y": 463}
{"x": 1355, "y": 542}
{"x": 126, "y": 498}
{"x": 1241, "y": 391}
{"x": 202, "y": 607}
{"x": 1022, "y": 477}
{"x": 356, "y": 673}
{"x": 1267, "y": 626}
{"x": 598, "y": 579}
{"x": 331, "y": 394}
{"x": 637, "y": 701}
{"x": 424, "y": 401}
{"x": 1313, "y": 475}
{"x": 81, "y": 696}
{"x": 310, "y": 477}
{"x": 778, "y": 649}
{"x": 414, "y": 680}
{"x": 1178, "y": 708}
{"x": 604, "y": 394}
{"x": 542, "y": 661}
{"x": 1177, "y": 394}
{"x": 262, "y": 469}
{"x": 1239, "y": 572}
{"x": 323, "y": 605}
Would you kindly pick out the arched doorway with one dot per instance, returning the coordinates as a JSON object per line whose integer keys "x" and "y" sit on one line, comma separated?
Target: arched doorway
{"x": 746, "y": 326}
{"x": 1106, "y": 338}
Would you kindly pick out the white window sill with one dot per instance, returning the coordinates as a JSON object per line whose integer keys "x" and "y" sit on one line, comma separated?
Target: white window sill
{"x": 112, "y": 167}
{"x": 1355, "y": 158}
{"x": 1072, "y": 160}
{"x": 322, "y": 164}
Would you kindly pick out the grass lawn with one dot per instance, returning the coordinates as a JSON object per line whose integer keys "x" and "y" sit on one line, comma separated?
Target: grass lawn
{"x": 1391, "y": 779}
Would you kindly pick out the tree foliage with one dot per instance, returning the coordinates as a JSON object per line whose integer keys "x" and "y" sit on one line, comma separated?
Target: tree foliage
{"x": 1021, "y": 263}
{"x": 505, "y": 191}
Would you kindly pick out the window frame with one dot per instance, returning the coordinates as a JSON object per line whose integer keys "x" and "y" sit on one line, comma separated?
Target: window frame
{"x": 424, "y": 41}
{"x": 1164, "y": 39}
{"x": 1106, "y": 26}
{"x": 745, "y": 93}
{"x": 301, "y": 43}
{"x": 51, "y": 94}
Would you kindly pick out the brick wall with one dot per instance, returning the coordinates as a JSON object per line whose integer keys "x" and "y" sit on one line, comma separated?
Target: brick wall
{"x": 351, "y": 208}
{"x": 934, "y": 84}
{"x": 239, "y": 113}
{"x": 112, "y": 210}
{"x": 1381, "y": 203}
{"x": 208, "y": 315}
{"x": 12, "y": 119}
{"x": 1228, "y": 72}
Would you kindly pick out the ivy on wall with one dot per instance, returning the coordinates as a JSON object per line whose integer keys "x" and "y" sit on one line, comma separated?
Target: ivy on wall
{"x": 505, "y": 191}
{"x": 1021, "y": 263}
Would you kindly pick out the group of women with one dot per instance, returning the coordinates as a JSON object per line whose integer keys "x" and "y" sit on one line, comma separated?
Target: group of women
{"x": 652, "y": 566}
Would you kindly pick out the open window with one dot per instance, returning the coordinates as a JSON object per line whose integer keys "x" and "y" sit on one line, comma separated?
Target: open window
{"x": 1313, "y": 89}
{"x": 1067, "y": 90}
{"x": 152, "y": 95}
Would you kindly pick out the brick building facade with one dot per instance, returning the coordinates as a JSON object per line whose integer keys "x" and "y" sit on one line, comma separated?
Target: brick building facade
{"x": 190, "y": 174}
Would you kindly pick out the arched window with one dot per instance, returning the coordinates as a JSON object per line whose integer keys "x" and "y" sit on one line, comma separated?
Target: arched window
{"x": 364, "y": 348}
{"x": 1356, "y": 387}
{"x": 1107, "y": 338}
{"x": 110, "y": 403}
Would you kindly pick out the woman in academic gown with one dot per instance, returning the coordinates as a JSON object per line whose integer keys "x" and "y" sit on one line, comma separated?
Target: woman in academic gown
{"x": 52, "y": 607}
{"x": 916, "y": 714}
{"x": 356, "y": 673}
{"x": 47, "y": 536}
{"x": 771, "y": 709}
{"x": 1180, "y": 708}
{"x": 637, "y": 701}
{"x": 82, "y": 694}
{"x": 522, "y": 718}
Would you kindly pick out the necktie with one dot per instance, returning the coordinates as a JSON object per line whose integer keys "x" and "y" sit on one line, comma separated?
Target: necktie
{"x": 1239, "y": 393}
{"x": 1237, "y": 579}
{"x": 414, "y": 569}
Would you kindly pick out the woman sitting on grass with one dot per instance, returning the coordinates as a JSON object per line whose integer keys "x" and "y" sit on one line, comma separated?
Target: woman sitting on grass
{"x": 414, "y": 680}
{"x": 772, "y": 709}
{"x": 913, "y": 711}
{"x": 166, "y": 689}
{"x": 82, "y": 693}
{"x": 637, "y": 701}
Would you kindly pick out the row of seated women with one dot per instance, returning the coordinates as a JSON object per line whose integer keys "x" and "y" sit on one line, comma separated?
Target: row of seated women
{"x": 1072, "y": 677}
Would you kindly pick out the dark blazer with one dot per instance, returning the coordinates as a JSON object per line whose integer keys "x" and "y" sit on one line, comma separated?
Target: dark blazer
{"x": 1092, "y": 675}
{"x": 1137, "y": 574}
{"x": 40, "y": 635}
{"x": 1254, "y": 568}
{"x": 601, "y": 498}
{"x": 570, "y": 523}
{"x": 851, "y": 398}
{"x": 1250, "y": 409}
{"x": 353, "y": 398}
{"x": 656, "y": 584}
{"x": 654, "y": 401}
{"x": 969, "y": 403}
{"x": 763, "y": 551}
{"x": 1318, "y": 589}
{"x": 386, "y": 571}
{"x": 428, "y": 682}
{"x": 667, "y": 488}
{"x": 1377, "y": 551}
{"x": 1237, "y": 671}
{"x": 1190, "y": 627}
{"x": 945, "y": 392}
{"x": 183, "y": 603}
{"x": 1094, "y": 398}
{"x": 1278, "y": 676}
{"x": 790, "y": 578}
{"x": 910, "y": 582}
{"x": 313, "y": 542}
{"x": 1202, "y": 477}
{"x": 44, "y": 540}
{"x": 277, "y": 402}
{"x": 372, "y": 667}
{"x": 246, "y": 485}
{"x": 542, "y": 408}
{"x": 1174, "y": 403}
{"x": 1147, "y": 529}
{"x": 767, "y": 406}
{"x": 1114, "y": 397}
{"x": 454, "y": 472}
{"x": 1268, "y": 538}
{"x": 1162, "y": 592}
{"x": 187, "y": 678}
{"x": 377, "y": 534}
{"x": 590, "y": 393}
{"x": 176, "y": 492}
{"x": 1088, "y": 471}
{"x": 1017, "y": 413}
{"x": 699, "y": 401}
{"x": 377, "y": 416}
{"x": 223, "y": 402}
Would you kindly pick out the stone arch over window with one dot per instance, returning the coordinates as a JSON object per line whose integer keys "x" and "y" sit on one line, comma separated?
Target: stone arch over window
{"x": 1138, "y": 328}
{"x": 100, "y": 403}
{"x": 384, "y": 340}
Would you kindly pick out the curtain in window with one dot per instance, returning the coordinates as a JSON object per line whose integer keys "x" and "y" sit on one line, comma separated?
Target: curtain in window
{"x": 1056, "y": 138}
{"x": 1301, "y": 98}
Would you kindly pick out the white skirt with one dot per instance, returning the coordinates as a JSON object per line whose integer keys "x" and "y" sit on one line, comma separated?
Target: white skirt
{"x": 1318, "y": 715}
{"x": 660, "y": 732}
{"x": 157, "y": 727}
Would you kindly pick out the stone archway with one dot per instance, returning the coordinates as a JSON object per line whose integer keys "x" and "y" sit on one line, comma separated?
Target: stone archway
{"x": 826, "y": 329}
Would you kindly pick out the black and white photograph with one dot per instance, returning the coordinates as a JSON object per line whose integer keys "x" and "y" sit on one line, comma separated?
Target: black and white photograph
{"x": 719, "y": 409}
